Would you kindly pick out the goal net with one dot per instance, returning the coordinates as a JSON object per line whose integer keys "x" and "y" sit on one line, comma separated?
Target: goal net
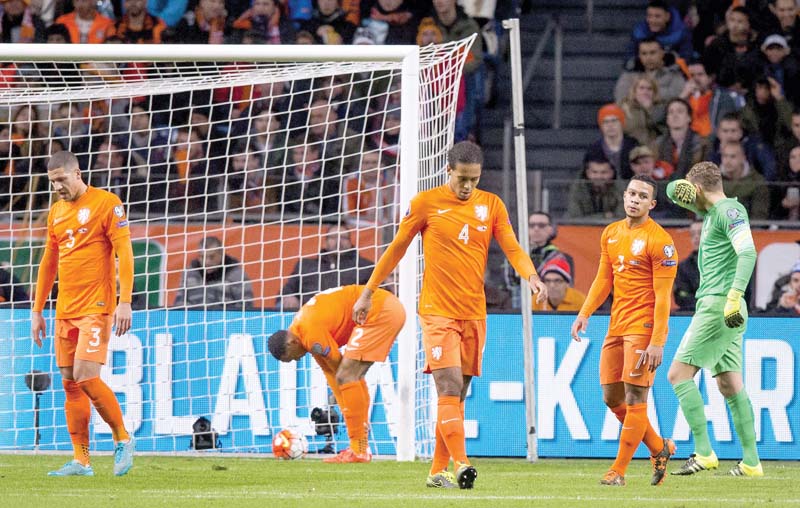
{"x": 252, "y": 179}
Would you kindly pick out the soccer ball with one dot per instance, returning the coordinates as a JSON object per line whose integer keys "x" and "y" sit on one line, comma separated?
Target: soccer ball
{"x": 289, "y": 445}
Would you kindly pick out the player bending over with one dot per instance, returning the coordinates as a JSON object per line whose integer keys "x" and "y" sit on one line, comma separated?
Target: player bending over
{"x": 321, "y": 327}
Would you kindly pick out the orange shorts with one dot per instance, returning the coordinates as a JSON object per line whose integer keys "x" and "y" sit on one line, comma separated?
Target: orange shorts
{"x": 84, "y": 338}
{"x": 453, "y": 343}
{"x": 372, "y": 341}
{"x": 622, "y": 360}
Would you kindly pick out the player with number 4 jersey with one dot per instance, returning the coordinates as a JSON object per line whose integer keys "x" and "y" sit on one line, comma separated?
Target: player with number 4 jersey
{"x": 86, "y": 230}
{"x": 457, "y": 223}
{"x": 321, "y": 327}
{"x": 638, "y": 260}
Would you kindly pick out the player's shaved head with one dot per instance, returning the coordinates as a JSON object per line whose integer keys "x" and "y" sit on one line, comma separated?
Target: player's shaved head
{"x": 707, "y": 175}
{"x": 277, "y": 344}
{"x": 63, "y": 159}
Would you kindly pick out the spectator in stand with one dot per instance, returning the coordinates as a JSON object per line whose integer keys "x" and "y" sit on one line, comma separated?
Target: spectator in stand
{"x": 311, "y": 185}
{"x": 561, "y": 296}
{"x": 680, "y": 145}
{"x": 341, "y": 145}
{"x": 784, "y": 22}
{"x": 767, "y": 111}
{"x": 251, "y": 192}
{"x": 57, "y": 34}
{"x": 777, "y": 62}
{"x": 688, "y": 278}
{"x": 267, "y": 138}
{"x": 171, "y": 11}
{"x": 12, "y": 292}
{"x": 28, "y": 132}
{"x": 613, "y": 146}
{"x": 541, "y": 233}
{"x": 85, "y": 24}
{"x": 455, "y": 25}
{"x": 786, "y": 296}
{"x": 19, "y": 24}
{"x": 786, "y": 144}
{"x": 193, "y": 179}
{"x": 790, "y": 203}
{"x": 215, "y": 280}
{"x": 644, "y": 111}
{"x": 148, "y": 143}
{"x": 206, "y": 24}
{"x": 643, "y": 162}
{"x": 111, "y": 171}
{"x": 709, "y": 101}
{"x": 337, "y": 264}
{"x": 730, "y": 129}
{"x": 595, "y": 194}
{"x": 367, "y": 202}
{"x": 733, "y": 56}
{"x": 265, "y": 19}
{"x": 659, "y": 65}
{"x": 664, "y": 24}
{"x": 137, "y": 26}
{"x": 329, "y": 23}
{"x": 389, "y": 21}
{"x": 14, "y": 175}
{"x": 740, "y": 181}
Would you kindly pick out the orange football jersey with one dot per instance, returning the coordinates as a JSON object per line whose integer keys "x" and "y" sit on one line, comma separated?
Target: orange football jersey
{"x": 325, "y": 323}
{"x": 82, "y": 232}
{"x": 635, "y": 257}
{"x": 455, "y": 240}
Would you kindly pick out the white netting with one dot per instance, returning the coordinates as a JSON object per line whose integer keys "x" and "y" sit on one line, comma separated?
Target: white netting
{"x": 256, "y": 167}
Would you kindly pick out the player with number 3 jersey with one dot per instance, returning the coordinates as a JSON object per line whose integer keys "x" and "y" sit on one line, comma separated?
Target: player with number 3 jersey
{"x": 321, "y": 327}
{"x": 86, "y": 230}
{"x": 457, "y": 222}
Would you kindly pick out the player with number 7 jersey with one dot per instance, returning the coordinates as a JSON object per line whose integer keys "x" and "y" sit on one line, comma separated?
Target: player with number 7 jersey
{"x": 321, "y": 327}
{"x": 457, "y": 222}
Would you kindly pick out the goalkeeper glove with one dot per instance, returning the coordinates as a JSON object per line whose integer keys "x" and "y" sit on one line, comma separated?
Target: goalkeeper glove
{"x": 733, "y": 309}
{"x": 685, "y": 193}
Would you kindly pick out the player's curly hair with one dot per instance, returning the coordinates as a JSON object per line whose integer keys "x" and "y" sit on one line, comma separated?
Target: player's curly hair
{"x": 465, "y": 152}
{"x": 277, "y": 344}
{"x": 706, "y": 174}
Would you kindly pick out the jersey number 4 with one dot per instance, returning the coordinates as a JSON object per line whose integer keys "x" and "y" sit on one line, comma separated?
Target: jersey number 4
{"x": 463, "y": 235}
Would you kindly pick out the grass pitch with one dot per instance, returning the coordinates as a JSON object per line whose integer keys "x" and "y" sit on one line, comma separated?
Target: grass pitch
{"x": 198, "y": 482}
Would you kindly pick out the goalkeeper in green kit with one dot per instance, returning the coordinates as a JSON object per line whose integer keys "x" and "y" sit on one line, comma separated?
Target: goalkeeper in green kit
{"x": 714, "y": 337}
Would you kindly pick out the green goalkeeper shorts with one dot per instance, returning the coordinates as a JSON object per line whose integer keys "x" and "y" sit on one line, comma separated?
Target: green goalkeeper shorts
{"x": 708, "y": 343}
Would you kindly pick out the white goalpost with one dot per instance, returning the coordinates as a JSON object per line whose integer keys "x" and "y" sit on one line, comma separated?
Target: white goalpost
{"x": 254, "y": 177}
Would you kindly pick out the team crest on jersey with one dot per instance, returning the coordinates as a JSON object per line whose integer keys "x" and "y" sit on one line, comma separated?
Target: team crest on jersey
{"x": 481, "y": 212}
{"x": 83, "y": 215}
{"x": 669, "y": 251}
{"x": 119, "y": 211}
{"x": 637, "y": 246}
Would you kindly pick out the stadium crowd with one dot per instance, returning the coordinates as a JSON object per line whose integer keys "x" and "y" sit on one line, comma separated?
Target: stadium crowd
{"x": 715, "y": 80}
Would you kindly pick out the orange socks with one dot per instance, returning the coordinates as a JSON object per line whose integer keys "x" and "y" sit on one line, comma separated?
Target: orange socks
{"x": 651, "y": 439}
{"x": 450, "y": 423}
{"x": 107, "y": 406}
{"x": 78, "y": 411}
{"x": 633, "y": 430}
{"x": 355, "y": 407}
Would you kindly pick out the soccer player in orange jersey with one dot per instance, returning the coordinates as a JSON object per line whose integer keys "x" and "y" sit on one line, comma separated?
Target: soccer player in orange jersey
{"x": 85, "y": 229}
{"x": 321, "y": 327}
{"x": 638, "y": 259}
{"x": 457, "y": 223}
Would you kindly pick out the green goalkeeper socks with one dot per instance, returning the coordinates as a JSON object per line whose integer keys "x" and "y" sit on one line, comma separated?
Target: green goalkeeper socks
{"x": 693, "y": 409}
{"x": 744, "y": 423}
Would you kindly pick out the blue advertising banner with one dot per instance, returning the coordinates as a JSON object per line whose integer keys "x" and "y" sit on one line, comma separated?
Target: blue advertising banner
{"x": 176, "y": 366}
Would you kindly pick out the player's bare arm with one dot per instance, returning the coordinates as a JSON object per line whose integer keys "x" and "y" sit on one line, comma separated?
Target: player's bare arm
{"x": 653, "y": 356}
{"x": 122, "y": 318}
{"x": 538, "y": 287}
{"x": 38, "y": 328}
{"x": 579, "y": 327}
{"x": 362, "y": 306}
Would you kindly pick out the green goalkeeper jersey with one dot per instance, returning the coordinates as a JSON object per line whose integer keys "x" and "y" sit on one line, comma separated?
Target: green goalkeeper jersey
{"x": 727, "y": 254}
